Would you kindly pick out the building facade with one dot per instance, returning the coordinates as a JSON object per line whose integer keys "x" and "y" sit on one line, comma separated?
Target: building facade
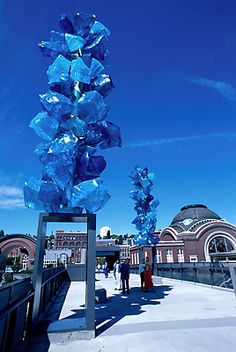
{"x": 194, "y": 234}
{"x": 74, "y": 241}
{"x": 20, "y": 247}
{"x": 56, "y": 257}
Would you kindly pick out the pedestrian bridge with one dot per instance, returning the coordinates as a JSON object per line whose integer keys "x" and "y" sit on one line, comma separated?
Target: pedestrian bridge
{"x": 177, "y": 316}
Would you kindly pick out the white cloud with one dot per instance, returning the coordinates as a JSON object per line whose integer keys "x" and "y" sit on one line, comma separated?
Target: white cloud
{"x": 11, "y": 203}
{"x": 10, "y": 191}
{"x": 226, "y": 90}
{"x": 161, "y": 141}
{"x": 11, "y": 197}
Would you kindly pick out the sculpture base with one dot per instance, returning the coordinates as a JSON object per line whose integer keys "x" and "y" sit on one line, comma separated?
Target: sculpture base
{"x": 67, "y": 330}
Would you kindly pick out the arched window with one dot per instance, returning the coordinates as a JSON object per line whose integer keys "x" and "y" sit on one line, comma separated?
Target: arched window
{"x": 220, "y": 244}
{"x": 65, "y": 244}
{"x": 72, "y": 244}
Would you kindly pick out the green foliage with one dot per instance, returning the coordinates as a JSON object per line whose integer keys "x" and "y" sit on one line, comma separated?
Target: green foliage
{"x": 101, "y": 260}
{"x": 8, "y": 277}
{"x": 2, "y": 233}
{"x": 13, "y": 261}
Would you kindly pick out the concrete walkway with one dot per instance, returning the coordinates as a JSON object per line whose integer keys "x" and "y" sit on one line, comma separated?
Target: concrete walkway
{"x": 177, "y": 317}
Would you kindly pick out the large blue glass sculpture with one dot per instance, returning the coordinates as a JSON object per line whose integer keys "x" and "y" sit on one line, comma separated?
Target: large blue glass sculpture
{"x": 145, "y": 206}
{"x": 73, "y": 121}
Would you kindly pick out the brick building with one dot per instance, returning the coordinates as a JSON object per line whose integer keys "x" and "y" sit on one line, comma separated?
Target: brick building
{"x": 194, "y": 234}
{"x": 73, "y": 240}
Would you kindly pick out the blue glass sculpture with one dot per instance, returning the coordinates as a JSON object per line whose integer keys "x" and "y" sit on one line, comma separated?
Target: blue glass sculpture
{"x": 145, "y": 206}
{"x": 73, "y": 122}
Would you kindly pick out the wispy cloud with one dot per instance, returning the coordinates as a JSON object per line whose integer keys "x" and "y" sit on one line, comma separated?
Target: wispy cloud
{"x": 226, "y": 90}
{"x": 162, "y": 141}
{"x": 11, "y": 197}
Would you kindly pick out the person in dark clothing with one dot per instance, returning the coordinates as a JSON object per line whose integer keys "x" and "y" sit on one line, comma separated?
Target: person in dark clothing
{"x": 125, "y": 271}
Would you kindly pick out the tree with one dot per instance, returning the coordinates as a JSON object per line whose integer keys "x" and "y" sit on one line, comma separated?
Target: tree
{"x": 2, "y": 233}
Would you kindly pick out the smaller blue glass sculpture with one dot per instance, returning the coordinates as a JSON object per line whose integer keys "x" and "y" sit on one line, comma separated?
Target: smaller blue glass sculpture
{"x": 145, "y": 206}
{"x": 73, "y": 122}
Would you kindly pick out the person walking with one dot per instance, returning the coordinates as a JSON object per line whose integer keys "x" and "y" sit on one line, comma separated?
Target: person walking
{"x": 116, "y": 270}
{"x": 141, "y": 269}
{"x": 125, "y": 271}
{"x": 106, "y": 270}
{"x": 99, "y": 268}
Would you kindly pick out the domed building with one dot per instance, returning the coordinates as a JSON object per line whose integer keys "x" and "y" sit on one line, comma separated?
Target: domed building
{"x": 194, "y": 234}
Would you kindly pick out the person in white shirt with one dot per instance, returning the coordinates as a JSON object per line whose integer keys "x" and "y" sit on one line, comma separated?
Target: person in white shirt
{"x": 141, "y": 272}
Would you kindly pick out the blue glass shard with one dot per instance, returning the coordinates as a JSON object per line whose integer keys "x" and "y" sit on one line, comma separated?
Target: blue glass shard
{"x": 77, "y": 126}
{"x": 99, "y": 29}
{"x": 79, "y": 71}
{"x": 31, "y": 192}
{"x": 103, "y": 84}
{"x": 56, "y": 104}
{"x": 155, "y": 204}
{"x": 90, "y": 195}
{"x": 98, "y": 49}
{"x": 66, "y": 144}
{"x": 82, "y": 23}
{"x": 89, "y": 167}
{"x": 60, "y": 172}
{"x": 52, "y": 196}
{"x": 136, "y": 195}
{"x": 98, "y": 41}
{"x": 104, "y": 133}
{"x": 96, "y": 68}
{"x": 62, "y": 149}
{"x": 59, "y": 70}
{"x": 74, "y": 42}
{"x": 87, "y": 58}
{"x": 44, "y": 126}
{"x": 112, "y": 135}
{"x": 42, "y": 148}
{"x": 57, "y": 45}
{"x": 65, "y": 87}
{"x": 87, "y": 149}
{"x": 91, "y": 107}
{"x": 66, "y": 25}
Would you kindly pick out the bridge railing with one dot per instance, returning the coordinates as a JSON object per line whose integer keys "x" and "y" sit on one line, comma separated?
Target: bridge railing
{"x": 214, "y": 274}
{"x": 16, "y": 306}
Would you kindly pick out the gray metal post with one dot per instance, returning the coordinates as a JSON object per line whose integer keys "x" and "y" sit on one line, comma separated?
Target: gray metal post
{"x": 90, "y": 279}
{"x": 154, "y": 260}
{"x": 232, "y": 268}
{"x": 38, "y": 266}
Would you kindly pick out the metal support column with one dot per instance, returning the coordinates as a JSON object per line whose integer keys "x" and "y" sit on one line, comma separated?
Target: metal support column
{"x": 90, "y": 273}
{"x": 87, "y": 329}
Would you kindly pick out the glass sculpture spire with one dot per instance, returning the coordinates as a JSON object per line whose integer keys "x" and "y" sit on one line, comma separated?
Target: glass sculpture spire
{"x": 73, "y": 123}
{"x": 145, "y": 206}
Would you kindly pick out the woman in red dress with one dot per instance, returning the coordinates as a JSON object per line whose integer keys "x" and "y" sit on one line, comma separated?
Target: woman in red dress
{"x": 148, "y": 277}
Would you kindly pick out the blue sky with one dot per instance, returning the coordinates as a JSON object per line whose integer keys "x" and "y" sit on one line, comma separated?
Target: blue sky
{"x": 173, "y": 64}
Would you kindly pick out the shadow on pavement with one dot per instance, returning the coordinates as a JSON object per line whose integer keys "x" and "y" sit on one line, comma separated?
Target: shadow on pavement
{"x": 120, "y": 305}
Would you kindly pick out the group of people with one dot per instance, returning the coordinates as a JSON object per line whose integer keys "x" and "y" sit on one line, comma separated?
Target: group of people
{"x": 121, "y": 272}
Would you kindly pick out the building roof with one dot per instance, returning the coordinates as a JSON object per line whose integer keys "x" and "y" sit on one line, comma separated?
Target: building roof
{"x": 190, "y": 216}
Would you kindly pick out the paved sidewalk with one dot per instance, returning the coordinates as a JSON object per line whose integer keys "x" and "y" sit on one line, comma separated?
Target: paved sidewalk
{"x": 177, "y": 317}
